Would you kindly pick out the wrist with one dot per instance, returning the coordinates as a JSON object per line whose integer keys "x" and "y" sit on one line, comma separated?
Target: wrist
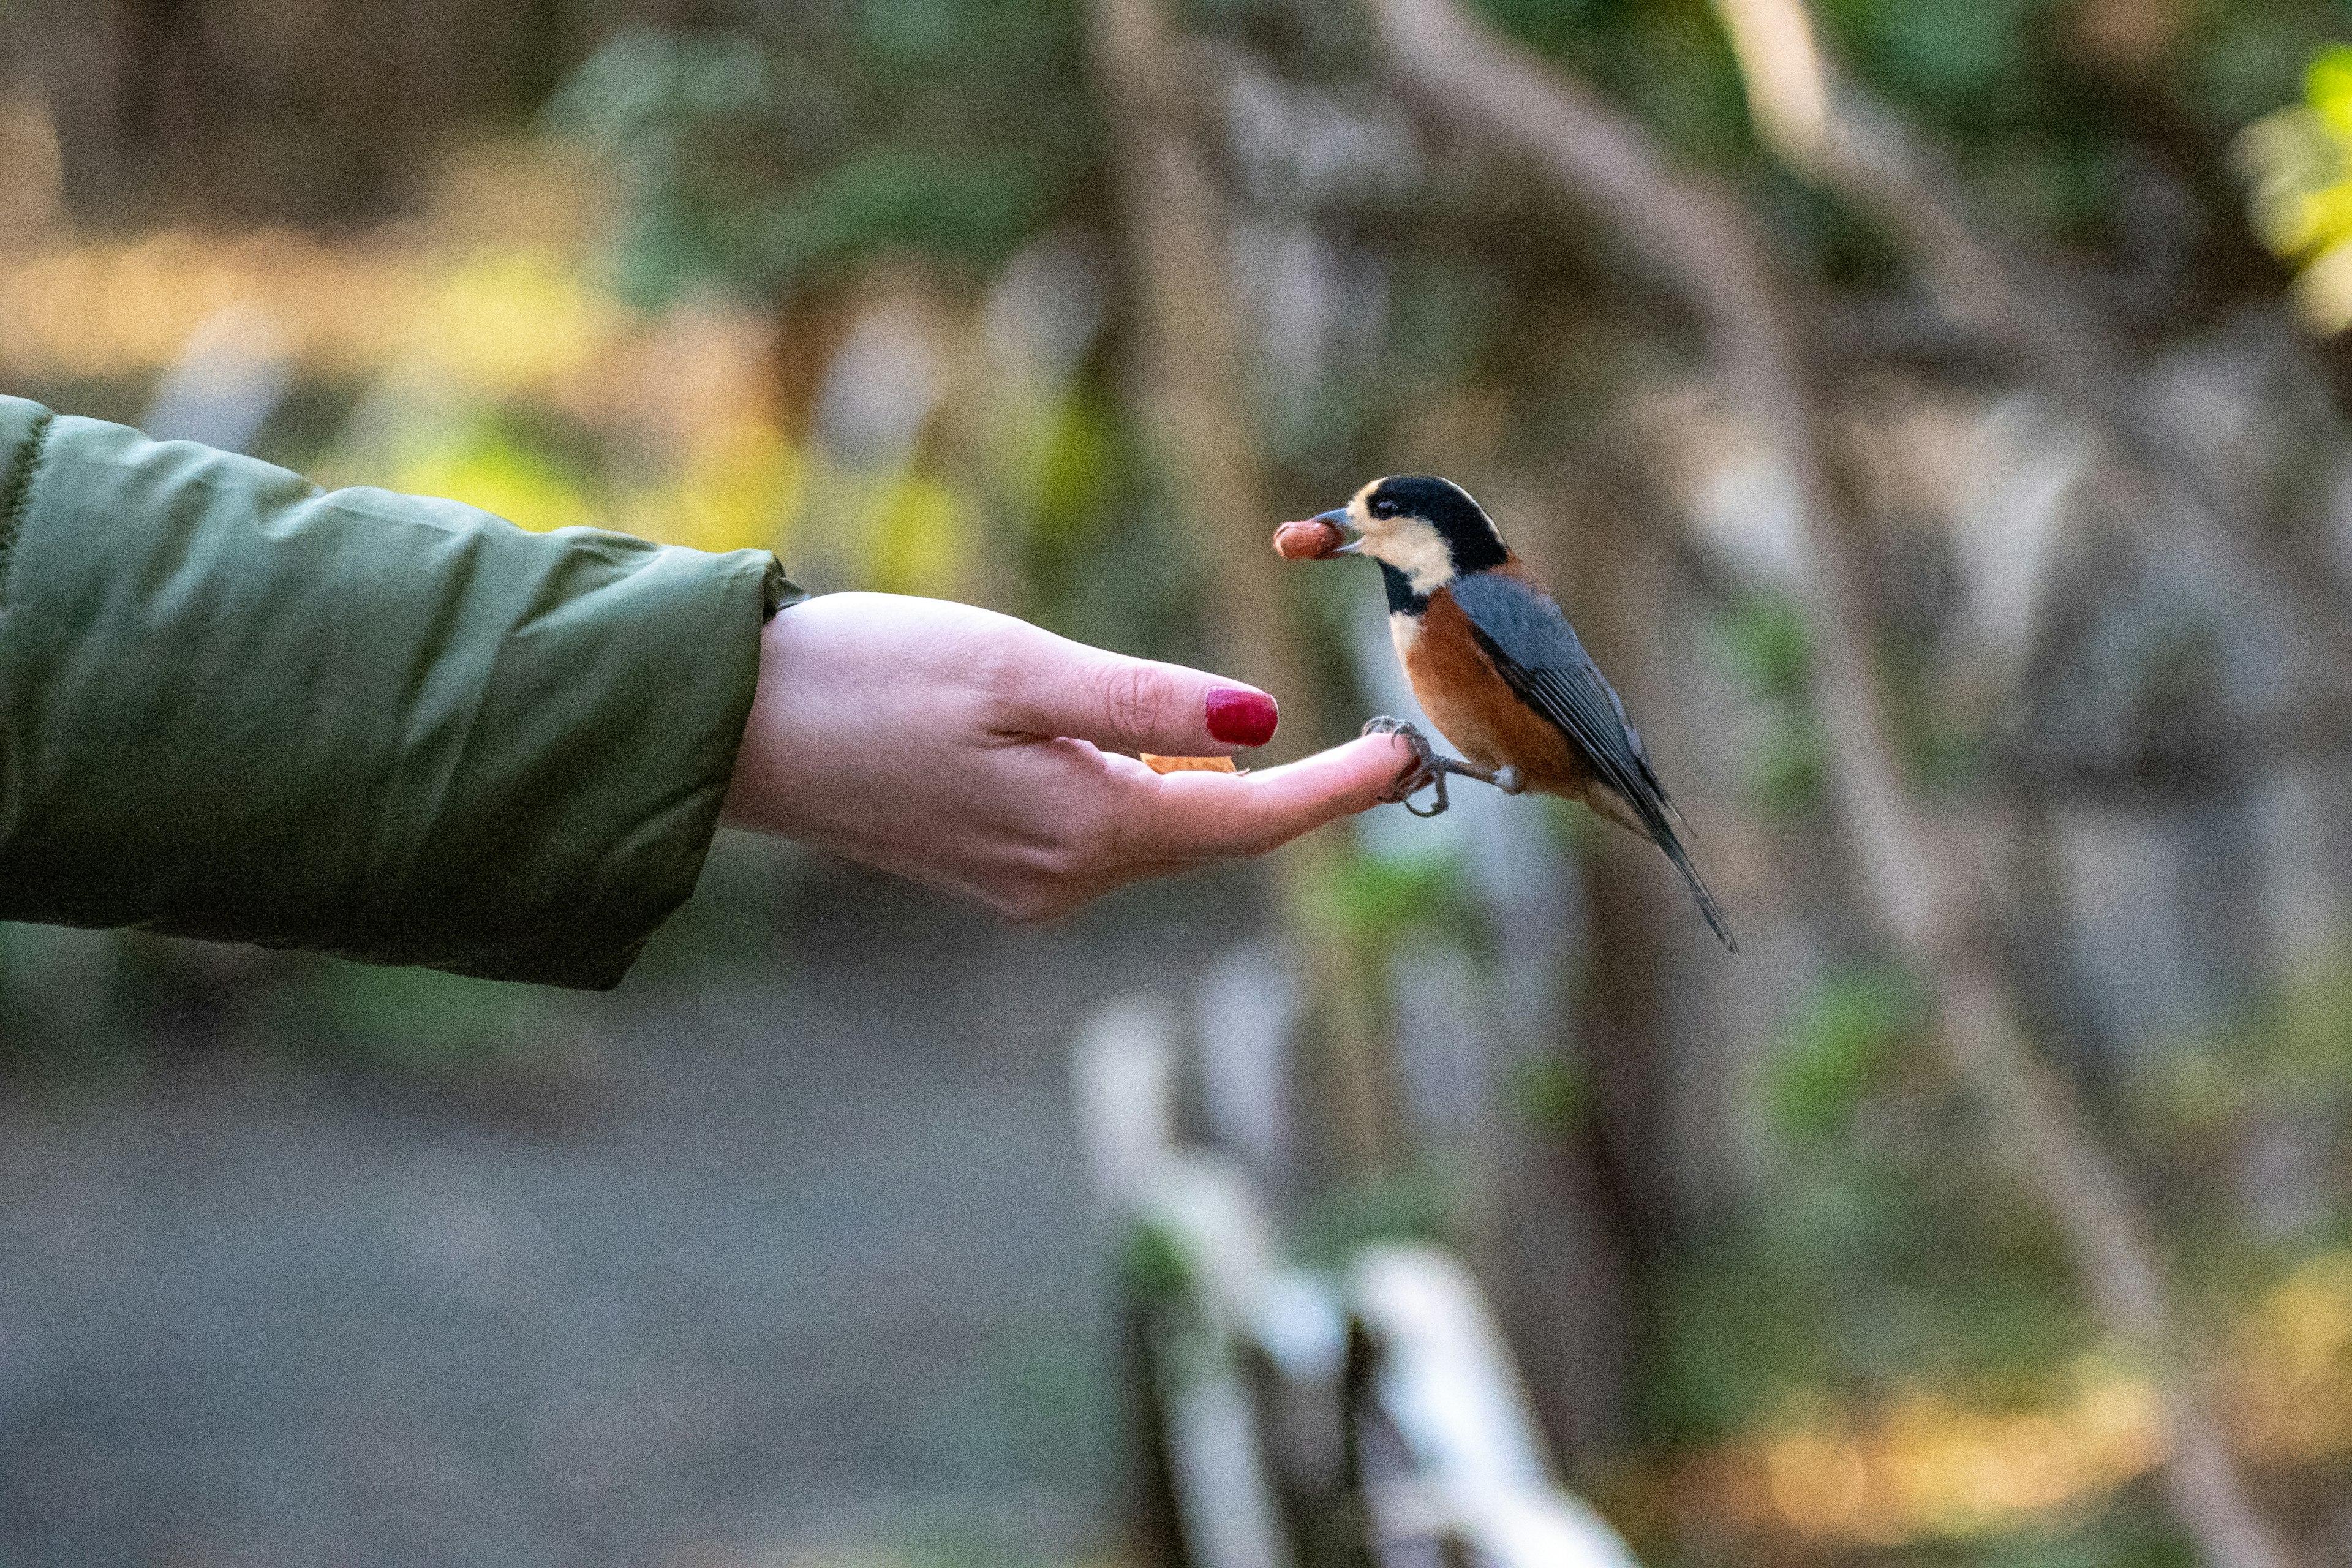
{"x": 751, "y": 798}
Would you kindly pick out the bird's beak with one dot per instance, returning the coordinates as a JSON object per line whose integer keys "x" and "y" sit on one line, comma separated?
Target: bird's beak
{"x": 1338, "y": 518}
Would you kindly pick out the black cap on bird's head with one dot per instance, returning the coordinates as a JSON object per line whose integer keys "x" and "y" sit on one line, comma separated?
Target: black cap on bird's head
{"x": 1423, "y": 531}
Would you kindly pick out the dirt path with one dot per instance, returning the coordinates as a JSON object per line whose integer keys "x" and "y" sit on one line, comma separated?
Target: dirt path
{"x": 801, "y": 1273}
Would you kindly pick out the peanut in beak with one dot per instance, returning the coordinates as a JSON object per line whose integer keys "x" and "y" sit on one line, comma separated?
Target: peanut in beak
{"x": 1313, "y": 540}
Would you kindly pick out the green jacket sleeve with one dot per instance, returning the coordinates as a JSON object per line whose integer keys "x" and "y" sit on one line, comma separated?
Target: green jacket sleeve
{"x": 235, "y": 706}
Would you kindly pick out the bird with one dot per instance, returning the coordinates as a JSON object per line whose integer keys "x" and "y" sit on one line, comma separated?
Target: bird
{"x": 1496, "y": 665}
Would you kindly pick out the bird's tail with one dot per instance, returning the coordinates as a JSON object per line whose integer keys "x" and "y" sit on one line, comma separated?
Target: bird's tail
{"x": 1668, "y": 841}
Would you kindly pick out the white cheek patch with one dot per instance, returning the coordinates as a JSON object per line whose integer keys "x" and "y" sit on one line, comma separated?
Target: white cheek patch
{"x": 1415, "y": 549}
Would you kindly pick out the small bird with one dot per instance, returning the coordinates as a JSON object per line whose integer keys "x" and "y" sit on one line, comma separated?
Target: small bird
{"x": 1495, "y": 663}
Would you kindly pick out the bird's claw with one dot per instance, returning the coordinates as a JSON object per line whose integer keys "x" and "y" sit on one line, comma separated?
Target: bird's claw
{"x": 1428, "y": 768}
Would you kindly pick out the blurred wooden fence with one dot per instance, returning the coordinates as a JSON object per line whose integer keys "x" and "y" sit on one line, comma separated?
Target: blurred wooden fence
{"x": 1290, "y": 1418}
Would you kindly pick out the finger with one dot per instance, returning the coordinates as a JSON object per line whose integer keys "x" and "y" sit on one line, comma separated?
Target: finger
{"x": 1213, "y": 815}
{"x": 1124, "y": 704}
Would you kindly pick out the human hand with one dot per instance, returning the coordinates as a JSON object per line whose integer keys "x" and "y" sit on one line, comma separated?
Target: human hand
{"x": 961, "y": 748}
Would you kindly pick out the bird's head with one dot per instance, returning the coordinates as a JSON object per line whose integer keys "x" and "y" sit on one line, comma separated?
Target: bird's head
{"x": 1425, "y": 529}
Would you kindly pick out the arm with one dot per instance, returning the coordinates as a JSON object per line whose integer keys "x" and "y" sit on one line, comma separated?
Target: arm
{"x": 232, "y": 706}
{"x": 400, "y": 729}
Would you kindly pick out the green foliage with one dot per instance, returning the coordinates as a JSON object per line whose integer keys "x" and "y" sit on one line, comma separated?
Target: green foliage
{"x": 781, "y": 150}
{"x": 1108, "y": 562}
{"x": 1953, "y": 58}
{"x": 1554, "y": 26}
{"x": 1374, "y": 899}
{"x": 1867, "y": 1276}
{"x": 2251, "y": 58}
{"x": 1153, "y": 1267}
{"x": 412, "y": 1022}
{"x": 2132, "y": 1533}
{"x": 2043, "y": 115}
{"x": 1762, "y": 640}
{"x": 1666, "y": 59}
{"x": 1085, "y": 451}
{"x": 1845, "y": 1040}
{"x": 2047, "y": 117}
{"x": 2132, "y": 1530}
{"x": 2304, "y": 1033}
{"x": 2279, "y": 1079}
{"x": 2292, "y": 1047}
{"x": 1738, "y": 1336}
{"x": 774, "y": 153}
{"x": 646, "y": 98}
{"x": 1102, "y": 565}
{"x": 1418, "y": 1203}
{"x": 1549, "y": 1093}
{"x": 1887, "y": 1258}
{"x": 1786, "y": 767}
{"x": 974, "y": 209}
{"x": 2299, "y": 163}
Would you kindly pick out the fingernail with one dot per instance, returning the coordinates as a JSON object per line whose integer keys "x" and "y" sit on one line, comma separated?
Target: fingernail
{"x": 1239, "y": 717}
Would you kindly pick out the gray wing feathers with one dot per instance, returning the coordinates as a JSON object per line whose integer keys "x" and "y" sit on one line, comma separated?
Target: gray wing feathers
{"x": 1540, "y": 658}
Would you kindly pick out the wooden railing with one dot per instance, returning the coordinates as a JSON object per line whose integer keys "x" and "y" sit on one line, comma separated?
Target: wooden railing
{"x": 1366, "y": 1415}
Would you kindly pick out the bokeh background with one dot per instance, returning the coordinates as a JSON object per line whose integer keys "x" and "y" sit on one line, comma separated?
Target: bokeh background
{"x": 1933, "y": 413}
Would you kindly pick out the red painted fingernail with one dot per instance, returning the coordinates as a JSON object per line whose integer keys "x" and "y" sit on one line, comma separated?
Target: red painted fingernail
{"x": 1241, "y": 718}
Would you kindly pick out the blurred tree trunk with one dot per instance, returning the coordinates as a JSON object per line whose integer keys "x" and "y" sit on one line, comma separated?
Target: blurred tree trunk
{"x": 1195, "y": 398}
{"x": 1653, "y": 963}
{"x": 2166, "y": 493}
{"x": 1830, "y": 132}
{"x": 1700, "y": 240}
{"x": 1624, "y": 1025}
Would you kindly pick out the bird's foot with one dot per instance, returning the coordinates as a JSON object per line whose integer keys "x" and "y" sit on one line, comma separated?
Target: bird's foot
{"x": 1427, "y": 767}
{"x": 1430, "y": 769}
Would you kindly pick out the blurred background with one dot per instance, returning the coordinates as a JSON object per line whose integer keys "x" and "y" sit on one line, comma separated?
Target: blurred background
{"x": 1933, "y": 415}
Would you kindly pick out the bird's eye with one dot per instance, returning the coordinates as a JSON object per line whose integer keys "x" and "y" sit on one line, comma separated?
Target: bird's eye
{"x": 1383, "y": 507}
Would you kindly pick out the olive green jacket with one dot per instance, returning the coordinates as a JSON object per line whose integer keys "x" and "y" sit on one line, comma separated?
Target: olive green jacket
{"x": 235, "y": 706}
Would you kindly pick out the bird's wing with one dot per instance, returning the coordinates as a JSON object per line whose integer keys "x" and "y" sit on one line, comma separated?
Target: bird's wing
{"x": 1540, "y": 658}
{"x": 1539, "y": 655}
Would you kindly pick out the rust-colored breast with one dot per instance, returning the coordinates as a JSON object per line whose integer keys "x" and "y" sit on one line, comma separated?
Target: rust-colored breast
{"x": 1465, "y": 696}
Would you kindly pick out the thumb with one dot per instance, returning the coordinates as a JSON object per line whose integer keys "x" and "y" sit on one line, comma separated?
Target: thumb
{"x": 1136, "y": 704}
